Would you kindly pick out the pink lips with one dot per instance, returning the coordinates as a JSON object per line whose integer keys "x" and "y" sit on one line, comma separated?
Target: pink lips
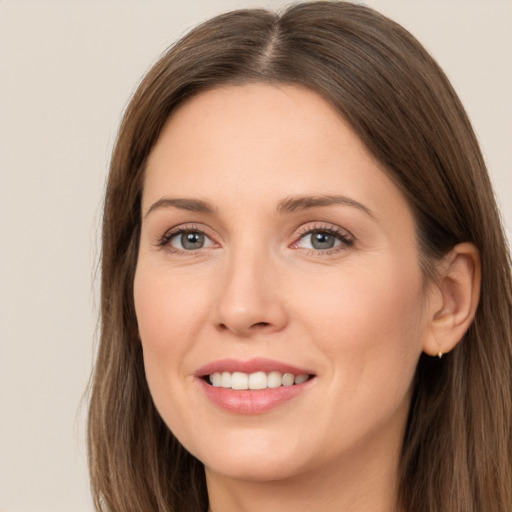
{"x": 251, "y": 366}
{"x": 250, "y": 401}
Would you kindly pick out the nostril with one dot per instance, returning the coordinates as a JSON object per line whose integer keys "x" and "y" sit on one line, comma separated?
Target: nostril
{"x": 245, "y": 330}
{"x": 243, "y": 326}
{"x": 261, "y": 324}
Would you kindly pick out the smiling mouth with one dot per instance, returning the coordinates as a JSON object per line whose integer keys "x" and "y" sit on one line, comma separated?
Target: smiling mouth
{"x": 255, "y": 381}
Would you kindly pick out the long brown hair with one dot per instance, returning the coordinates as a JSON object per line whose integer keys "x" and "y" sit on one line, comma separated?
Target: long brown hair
{"x": 457, "y": 451}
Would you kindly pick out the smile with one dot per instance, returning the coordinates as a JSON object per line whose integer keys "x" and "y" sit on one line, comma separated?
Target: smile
{"x": 253, "y": 387}
{"x": 256, "y": 380}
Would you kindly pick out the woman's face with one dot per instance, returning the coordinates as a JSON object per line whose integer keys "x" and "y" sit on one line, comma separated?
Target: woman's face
{"x": 272, "y": 248}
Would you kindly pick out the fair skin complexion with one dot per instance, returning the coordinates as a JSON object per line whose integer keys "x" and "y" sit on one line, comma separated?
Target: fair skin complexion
{"x": 270, "y": 232}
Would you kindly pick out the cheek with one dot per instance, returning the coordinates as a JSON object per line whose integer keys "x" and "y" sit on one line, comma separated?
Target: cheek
{"x": 370, "y": 324}
{"x": 168, "y": 309}
{"x": 388, "y": 298}
{"x": 370, "y": 327}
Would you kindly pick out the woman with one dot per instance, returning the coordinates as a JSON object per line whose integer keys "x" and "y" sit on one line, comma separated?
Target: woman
{"x": 306, "y": 291}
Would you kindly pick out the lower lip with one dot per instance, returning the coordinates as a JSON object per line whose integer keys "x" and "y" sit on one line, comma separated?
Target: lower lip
{"x": 253, "y": 401}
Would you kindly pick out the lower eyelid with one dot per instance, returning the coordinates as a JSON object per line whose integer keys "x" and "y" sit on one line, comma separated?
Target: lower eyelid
{"x": 340, "y": 246}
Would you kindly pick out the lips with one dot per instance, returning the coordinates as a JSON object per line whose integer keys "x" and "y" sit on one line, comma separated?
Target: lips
{"x": 251, "y": 366}
{"x": 252, "y": 387}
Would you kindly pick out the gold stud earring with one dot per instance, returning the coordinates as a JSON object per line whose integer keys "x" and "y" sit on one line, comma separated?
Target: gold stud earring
{"x": 440, "y": 355}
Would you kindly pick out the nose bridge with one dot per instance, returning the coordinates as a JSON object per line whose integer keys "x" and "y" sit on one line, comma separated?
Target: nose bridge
{"x": 249, "y": 298}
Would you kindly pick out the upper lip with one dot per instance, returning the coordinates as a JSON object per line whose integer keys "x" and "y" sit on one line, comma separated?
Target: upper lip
{"x": 251, "y": 366}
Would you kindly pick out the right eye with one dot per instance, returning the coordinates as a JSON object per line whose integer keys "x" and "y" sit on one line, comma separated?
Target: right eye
{"x": 188, "y": 240}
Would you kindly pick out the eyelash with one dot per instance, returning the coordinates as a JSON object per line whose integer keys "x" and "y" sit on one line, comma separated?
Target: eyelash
{"x": 340, "y": 234}
{"x": 165, "y": 240}
{"x": 343, "y": 236}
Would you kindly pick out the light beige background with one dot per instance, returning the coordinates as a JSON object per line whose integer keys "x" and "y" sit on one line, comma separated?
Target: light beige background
{"x": 67, "y": 69}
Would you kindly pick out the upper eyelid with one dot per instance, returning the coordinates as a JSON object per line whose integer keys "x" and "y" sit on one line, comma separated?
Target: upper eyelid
{"x": 328, "y": 227}
{"x": 319, "y": 226}
{"x": 192, "y": 226}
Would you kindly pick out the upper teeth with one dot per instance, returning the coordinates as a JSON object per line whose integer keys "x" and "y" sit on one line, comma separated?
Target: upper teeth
{"x": 258, "y": 380}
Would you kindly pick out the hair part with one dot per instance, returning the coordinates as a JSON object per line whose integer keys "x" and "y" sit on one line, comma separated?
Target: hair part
{"x": 457, "y": 451}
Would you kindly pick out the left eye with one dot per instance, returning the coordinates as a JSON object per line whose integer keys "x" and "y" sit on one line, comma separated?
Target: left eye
{"x": 322, "y": 240}
{"x": 190, "y": 241}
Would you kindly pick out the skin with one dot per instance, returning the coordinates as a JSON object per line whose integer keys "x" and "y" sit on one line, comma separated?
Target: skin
{"x": 358, "y": 315}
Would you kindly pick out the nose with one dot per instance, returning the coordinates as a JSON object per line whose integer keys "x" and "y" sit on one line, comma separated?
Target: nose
{"x": 250, "y": 299}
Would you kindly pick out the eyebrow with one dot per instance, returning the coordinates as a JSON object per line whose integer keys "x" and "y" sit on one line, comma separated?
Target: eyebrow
{"x": 292, "y": 204}
{"x": 288, "y": 205}
{"x": 191, "y": 205}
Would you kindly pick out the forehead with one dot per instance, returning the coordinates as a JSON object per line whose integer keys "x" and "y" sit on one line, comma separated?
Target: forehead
{"x": 244, "y": 116}
{"x": 261, "y": 140}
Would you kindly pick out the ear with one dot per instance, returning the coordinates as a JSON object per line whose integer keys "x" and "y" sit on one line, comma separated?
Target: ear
{"x": 456, "y": 292}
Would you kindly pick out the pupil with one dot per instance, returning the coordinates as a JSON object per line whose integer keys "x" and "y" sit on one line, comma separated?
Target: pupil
{"x": 321, "y": 240}
{"x": 192, "y": 240}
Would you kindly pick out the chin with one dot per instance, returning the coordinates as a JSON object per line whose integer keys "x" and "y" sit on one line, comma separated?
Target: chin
{"x": 253, "y": 470}
{"x": 257, "y": 460}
